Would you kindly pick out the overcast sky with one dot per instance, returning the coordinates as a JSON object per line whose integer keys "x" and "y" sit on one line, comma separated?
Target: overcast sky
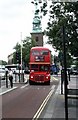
{"x": 15, "y": 17}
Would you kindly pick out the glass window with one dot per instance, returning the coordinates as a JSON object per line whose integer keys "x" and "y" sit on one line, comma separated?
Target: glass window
{"x": 35, "y": 52}
{"x": 44, "y": 68}
{"x": 34, "y": 66}
{"x": 44, "y": 52}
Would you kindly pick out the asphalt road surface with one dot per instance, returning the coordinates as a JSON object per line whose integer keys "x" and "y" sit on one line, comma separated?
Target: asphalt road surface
{"x": 26, "y": 101}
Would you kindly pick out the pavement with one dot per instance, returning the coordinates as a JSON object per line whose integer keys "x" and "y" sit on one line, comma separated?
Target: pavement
{"x": 55, "y": 109}
{"x": 4, "y": 89}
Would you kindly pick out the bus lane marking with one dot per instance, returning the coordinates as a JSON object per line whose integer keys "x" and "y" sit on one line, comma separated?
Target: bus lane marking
{"x": 39, "y": 111}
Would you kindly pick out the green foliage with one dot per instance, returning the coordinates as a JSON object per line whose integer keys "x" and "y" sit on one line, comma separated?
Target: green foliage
{"x": 27, "y": 44}
{"x": 62, "y": 13}
{"x": 2, "y": 62}
{"x": 77, "y": 62}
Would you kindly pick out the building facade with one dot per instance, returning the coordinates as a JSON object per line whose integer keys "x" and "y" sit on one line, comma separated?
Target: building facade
{"x": 37, "y": 33}
{"x": 10, "y": 58}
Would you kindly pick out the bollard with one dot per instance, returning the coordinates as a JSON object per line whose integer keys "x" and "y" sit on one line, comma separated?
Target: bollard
{"x": 19, "y": 74}
{"x": 15, "y": 78}
{"x": 69, "y": 74}
{"x": 6, "y": 77}
{"x": 22, "y": 77}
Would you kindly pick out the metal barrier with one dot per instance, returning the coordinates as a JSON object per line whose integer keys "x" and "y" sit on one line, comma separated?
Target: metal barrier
{"x": 71, "y": 93}
{"x": 6, "y": 78}
{"x": 19, "y": 77}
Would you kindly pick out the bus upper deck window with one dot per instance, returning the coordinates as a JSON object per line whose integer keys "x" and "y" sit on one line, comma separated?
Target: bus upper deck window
{"x": 44, "y": 52}
{"x": 35, "y": 52}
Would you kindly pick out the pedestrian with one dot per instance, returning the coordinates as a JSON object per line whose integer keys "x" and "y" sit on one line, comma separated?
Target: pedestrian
{"x": 11, "y": 78}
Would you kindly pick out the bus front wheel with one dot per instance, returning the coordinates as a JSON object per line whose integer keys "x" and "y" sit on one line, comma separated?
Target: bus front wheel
{"x": 30, "y": 82}
{"x": 48, "y": 83}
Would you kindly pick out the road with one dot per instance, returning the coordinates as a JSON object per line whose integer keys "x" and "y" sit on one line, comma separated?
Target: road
{"x": 27, "y": 100}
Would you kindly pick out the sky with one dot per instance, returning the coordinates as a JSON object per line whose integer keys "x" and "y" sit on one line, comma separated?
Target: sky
{"x": 16, "y": 17}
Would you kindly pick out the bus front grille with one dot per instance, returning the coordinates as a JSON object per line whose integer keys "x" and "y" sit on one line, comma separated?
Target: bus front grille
{"x": 39, "y": 78}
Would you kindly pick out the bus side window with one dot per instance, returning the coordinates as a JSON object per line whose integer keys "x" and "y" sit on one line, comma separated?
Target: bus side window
{"x": 45, "y": 52}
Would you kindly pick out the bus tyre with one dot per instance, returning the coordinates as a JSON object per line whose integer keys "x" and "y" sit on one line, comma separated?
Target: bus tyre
{"x": 48, "y": 83}
{"x": 30, "y": 82}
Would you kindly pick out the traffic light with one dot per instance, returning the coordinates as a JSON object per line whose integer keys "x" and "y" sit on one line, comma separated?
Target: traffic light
{"x": 17, "y": 57}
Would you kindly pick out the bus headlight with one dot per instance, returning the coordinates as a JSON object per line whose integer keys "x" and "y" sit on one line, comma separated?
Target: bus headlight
{"x": 31, "y": 77}
{"x": 46, "y": 77}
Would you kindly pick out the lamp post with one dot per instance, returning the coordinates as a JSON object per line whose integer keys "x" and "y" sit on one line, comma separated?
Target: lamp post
{"x": 21, "y": 52}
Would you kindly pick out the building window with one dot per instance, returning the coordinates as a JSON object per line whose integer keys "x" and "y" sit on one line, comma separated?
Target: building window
{"x": 36, "y": 39}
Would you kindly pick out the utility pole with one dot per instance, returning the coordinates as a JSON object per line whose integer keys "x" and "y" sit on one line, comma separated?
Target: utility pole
{"x": 22, "y": 75}
{"x": 65, "y": 75}
{"x": 21, "y": 52}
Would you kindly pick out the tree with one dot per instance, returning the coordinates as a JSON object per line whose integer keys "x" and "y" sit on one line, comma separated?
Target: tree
{"x": 27, "y": 44}
{"x": 2, "y": 62}
{"x": 62, "y": 13}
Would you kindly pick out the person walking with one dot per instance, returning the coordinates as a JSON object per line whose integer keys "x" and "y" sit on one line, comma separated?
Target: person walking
{"x": 11, "y": 78}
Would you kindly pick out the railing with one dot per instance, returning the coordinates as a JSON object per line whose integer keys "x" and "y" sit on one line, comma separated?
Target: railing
{"x": 17, "y": 77}
{"x": 72, "y": 93}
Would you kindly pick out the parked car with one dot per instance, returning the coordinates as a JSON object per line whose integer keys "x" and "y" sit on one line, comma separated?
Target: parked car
{"x": 2, "y": 74}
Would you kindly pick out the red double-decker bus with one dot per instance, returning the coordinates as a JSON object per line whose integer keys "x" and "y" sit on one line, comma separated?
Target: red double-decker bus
{"x": 40, "y": 59}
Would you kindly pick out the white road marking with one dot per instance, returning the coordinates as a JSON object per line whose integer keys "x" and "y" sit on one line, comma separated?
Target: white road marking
{"x": 53, "y": 78}
{"x": 52, "y": 88}
{"x": 39, "y": 111}
{"x": 24, "y": 86}
{"x": 8, "y": 90}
